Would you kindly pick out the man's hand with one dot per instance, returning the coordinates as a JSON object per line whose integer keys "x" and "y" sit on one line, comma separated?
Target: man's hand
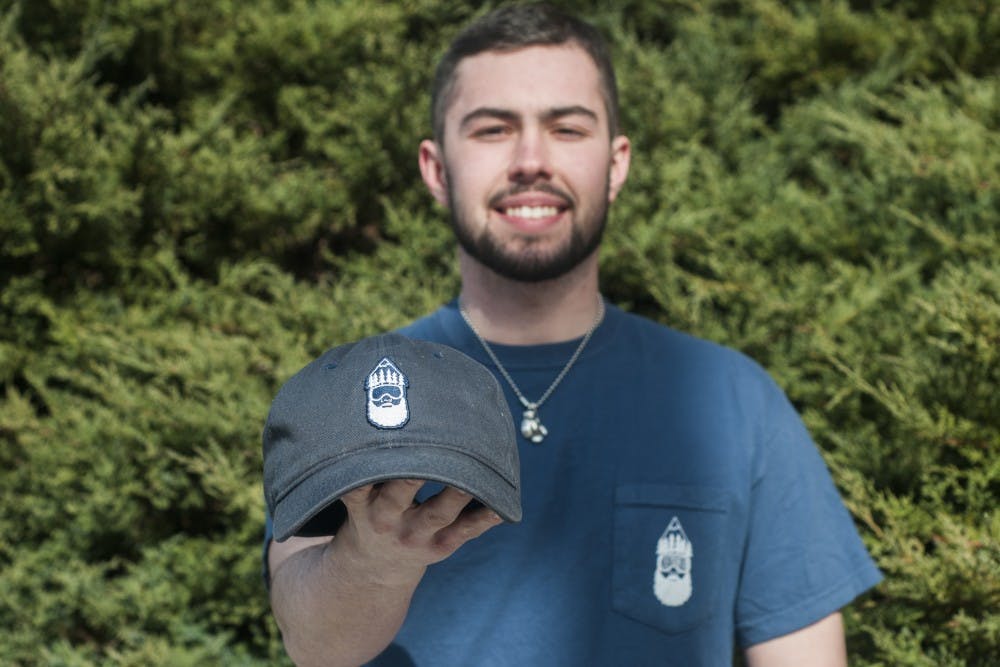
{"x": 394, "y": 535}
{"x": 342, "y": 600}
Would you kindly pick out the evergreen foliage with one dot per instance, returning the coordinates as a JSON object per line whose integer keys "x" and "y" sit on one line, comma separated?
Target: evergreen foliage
{"x": 196, "y": 198}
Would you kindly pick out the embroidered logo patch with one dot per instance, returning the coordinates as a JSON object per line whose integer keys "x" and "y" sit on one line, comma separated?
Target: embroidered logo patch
{"x": 672, "y": 578}
{"x": 386, "y": 390}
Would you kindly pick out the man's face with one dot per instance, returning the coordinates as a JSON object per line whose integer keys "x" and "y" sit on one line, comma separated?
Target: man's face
{"x": 527, "y": 167}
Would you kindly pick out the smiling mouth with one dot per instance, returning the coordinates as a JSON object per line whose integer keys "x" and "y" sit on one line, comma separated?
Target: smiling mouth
{"x": 530, "y": 212}
{"x": 532, "y": 203}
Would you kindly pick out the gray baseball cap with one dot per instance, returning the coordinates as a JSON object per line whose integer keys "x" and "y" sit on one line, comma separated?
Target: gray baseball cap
{"x": 386, "y": 407}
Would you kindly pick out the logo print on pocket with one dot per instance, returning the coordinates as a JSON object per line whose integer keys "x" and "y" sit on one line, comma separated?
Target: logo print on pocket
{"x": 672, "y": 578}
{"x": 386, "y": 388}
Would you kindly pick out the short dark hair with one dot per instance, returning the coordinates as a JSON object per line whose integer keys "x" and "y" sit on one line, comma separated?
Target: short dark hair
{"x": 514, "y": 27}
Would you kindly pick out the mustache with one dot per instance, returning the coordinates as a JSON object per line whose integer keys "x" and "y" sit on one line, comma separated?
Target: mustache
{"x": 495, "y": 200}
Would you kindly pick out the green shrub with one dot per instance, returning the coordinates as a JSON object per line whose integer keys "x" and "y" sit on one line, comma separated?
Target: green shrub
{"x": 197, "y": 198}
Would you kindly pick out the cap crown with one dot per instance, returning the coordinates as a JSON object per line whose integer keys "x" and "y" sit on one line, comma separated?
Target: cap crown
{"x": 386, "y": 407}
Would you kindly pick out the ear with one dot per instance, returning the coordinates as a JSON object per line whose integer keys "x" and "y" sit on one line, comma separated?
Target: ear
{"x": 432, "y": 169}
{"x": 621, "y": 157}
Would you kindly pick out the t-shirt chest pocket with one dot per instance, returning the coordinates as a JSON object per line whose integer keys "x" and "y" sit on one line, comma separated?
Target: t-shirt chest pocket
{"x": 668, "y": 558}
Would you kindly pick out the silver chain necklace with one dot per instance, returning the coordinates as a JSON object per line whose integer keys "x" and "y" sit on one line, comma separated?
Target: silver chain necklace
{"x": 531, "y": 425}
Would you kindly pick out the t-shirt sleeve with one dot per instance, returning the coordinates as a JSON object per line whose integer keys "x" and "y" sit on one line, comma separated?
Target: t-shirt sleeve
{"x": 804, "y": 559}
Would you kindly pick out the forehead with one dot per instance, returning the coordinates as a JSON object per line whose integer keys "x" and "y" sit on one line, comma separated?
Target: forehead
{"x": 527, "y": 80}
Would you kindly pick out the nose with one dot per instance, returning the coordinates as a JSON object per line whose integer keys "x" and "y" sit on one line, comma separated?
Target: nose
{"x": 530, "y": 161}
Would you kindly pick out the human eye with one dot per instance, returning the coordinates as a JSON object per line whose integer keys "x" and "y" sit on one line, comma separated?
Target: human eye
{"x": 491, "y": 131}
{"x": 570, "y": 132}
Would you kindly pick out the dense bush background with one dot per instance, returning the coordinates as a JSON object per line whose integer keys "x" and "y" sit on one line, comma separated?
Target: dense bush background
{"x": 198, "y": 197}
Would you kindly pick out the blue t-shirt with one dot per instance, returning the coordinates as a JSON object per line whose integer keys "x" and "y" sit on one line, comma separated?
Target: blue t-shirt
{"x": 676, "y": 505}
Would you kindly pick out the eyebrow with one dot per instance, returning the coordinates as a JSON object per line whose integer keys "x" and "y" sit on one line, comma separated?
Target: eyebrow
{"x": 547, "y": 116}
{"x": 488, "y": 112}
{"x": 575, "y": 110}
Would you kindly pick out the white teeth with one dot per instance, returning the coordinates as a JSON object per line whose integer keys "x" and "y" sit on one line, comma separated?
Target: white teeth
{"x": 531, "y": 211}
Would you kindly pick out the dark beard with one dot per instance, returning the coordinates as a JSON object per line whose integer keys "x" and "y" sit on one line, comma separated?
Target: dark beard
{"x": 526, "y": 266}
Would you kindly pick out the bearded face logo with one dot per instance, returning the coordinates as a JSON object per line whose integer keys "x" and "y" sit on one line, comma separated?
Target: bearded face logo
{"x": 386, "y": 388}
{"x": 672, "y": 577}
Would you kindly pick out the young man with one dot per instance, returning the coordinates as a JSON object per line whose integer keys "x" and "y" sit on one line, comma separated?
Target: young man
{"x": 672, "y": 501}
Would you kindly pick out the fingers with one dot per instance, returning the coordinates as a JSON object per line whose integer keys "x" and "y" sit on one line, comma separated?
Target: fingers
{"x": 469, "y": 525}
{"x": 396, "y": 495}
{"x": 358, "y": 498}
{"x": 442, "y": 509}
{"x": 384, "y": 519}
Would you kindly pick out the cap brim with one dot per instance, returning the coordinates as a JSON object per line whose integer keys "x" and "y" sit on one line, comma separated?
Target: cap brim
{"x": 429, "y": 462}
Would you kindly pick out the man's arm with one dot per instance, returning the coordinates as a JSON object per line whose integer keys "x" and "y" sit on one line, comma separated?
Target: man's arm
{"x": 341, "y": 600}
{"x": 818, "y": 645}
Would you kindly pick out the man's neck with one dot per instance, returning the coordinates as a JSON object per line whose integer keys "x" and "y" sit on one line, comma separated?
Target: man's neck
{"x": 515, "y": 313}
